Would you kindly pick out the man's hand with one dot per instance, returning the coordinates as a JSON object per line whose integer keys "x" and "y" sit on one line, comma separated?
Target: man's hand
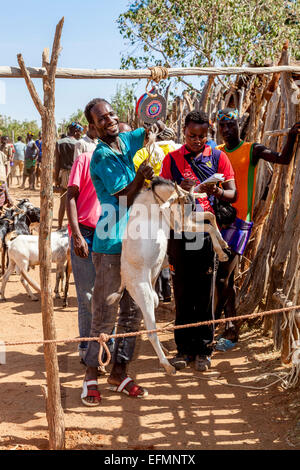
{"x": 210, "y": 189}
{"x": 187, "y": 184}
{"x": 80, "y": 246}
{"x": 145, "y": 170}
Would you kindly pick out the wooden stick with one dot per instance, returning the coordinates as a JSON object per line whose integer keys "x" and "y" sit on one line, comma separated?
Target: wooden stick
{"x": 31, "y": 88}
{"x": 72, "y": 73}
{"x": 54, "y": 411}
{"x": 278, "y": 132}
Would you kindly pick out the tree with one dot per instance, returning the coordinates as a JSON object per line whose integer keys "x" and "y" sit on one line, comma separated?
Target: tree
{"x": 123, "y": 101}
{"x": 13, "y": 128}
{"x": 208, "y": 32}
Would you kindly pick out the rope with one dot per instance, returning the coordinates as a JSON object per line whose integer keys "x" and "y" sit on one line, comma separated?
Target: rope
{"x": 104, "y": 338}
{"x": 288, "y": 381}
{"x": 158, "y": 73}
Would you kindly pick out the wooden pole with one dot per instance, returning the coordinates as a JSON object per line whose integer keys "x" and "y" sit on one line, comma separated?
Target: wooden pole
{"x": 54, "y": 412}
{"x": 77, "y": 74}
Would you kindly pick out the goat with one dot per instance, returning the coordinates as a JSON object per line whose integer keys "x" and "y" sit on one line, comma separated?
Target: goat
{"x": 17, "y": 221}
{"x": 23, "y": 252}
{"x": 159, "y": 209}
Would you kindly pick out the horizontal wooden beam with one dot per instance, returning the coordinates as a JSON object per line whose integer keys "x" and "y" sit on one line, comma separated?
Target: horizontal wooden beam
{"x": 40, "y": 72}
{"x": 277, "y": 132}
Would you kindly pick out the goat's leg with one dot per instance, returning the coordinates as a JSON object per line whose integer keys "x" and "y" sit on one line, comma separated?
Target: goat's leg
{"x": 28, "y": 290}
{"x": 59, "y": 278}
{"x": 24, "y": 268}
{"x": 199, "y": 217}
{"x": 216, "y": 245}
{"x": 3, "y": 258}
{"x": 143, "y": 295}
{"x": 6, "y": 276}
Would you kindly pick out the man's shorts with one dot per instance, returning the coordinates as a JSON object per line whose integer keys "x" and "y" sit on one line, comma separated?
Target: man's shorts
{"x": 17, "y": 168}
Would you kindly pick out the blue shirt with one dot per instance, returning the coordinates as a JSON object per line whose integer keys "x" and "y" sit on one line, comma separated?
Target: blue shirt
{"x": 20, "y": 148}
{"x": 111, "y": 172}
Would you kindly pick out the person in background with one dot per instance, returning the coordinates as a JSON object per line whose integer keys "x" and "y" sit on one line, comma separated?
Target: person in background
{"x": 114, "y": 177}
{"x": 19, "y": 157}
{"x": 39, "y": 159}
{"x": 87, "y": 143}
{"x": 4, "y": 194}
{"x": 64, "y": 159}
{"x": 83, "y": 211}
{"x": 124, "y": 127}
{"x": 31, "y": 154}
{"x": 7, "y": 149}
{"x": 244, "y": 157}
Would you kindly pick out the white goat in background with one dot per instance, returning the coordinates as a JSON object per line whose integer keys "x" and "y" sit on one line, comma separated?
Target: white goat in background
{"x": 23, "y": 252}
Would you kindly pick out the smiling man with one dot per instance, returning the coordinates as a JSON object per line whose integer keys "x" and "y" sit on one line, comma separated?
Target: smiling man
{"x": 113, "y": 175}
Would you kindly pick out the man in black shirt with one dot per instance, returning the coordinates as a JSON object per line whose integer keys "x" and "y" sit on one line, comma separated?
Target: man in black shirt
{"x": 64, "y": 154}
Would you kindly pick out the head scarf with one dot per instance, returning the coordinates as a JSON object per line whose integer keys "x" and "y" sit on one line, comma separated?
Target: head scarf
{"x": 75, "y": 125}
{"x": 221, "y": 116}
{"x": 166, "y": 134}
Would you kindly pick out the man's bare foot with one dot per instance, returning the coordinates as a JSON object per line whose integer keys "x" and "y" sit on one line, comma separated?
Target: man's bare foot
{"x": 91, "y": 375}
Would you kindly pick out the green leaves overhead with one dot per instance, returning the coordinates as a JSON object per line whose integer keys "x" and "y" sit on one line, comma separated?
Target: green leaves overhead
{"x": 208, "y": 32}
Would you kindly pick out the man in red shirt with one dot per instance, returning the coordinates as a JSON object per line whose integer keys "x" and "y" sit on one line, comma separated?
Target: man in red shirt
{"x": 192, "y": 268}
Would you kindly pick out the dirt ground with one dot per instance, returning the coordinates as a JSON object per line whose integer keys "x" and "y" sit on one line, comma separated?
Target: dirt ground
{"x": 190, "y": 411}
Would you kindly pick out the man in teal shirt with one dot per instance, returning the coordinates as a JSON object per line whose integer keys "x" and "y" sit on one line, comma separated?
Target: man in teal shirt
{"x": 117, "y": 184}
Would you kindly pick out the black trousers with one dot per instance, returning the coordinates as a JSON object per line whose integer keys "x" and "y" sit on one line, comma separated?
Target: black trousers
{"x": 226, "y": 295}
{"x": 192, "y": 272}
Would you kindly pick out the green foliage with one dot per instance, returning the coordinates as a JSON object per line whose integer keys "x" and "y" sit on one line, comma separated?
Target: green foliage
{"x": 208, "y": 32}
{"x": 123, "y": 101}
{"x": 78, "y": 116}
{"x": 13, "y": 128}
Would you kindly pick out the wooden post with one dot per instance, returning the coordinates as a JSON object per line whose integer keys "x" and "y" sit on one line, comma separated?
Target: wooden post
{"x": 54, "y": 412}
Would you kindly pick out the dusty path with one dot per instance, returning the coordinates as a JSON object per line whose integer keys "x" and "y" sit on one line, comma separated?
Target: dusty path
{"x": 187, "y": 411}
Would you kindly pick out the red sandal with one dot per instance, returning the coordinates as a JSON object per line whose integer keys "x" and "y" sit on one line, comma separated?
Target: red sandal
{"x": 136, "y": 391}
{"x": 88, "y": 392}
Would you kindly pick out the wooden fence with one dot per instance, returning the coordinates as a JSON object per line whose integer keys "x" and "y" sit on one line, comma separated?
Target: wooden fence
{"x": 258, "y": 93}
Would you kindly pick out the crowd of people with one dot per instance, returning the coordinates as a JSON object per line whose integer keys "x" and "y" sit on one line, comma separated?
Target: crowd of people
{"x": 109, "y": 165}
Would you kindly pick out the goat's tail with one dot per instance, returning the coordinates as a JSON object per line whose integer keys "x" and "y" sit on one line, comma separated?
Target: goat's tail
{"x": 116, "y": 296}
{"x": 30, "y": 281}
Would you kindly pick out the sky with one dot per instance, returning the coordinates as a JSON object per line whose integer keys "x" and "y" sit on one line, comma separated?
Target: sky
{"x": 90, "y": 39}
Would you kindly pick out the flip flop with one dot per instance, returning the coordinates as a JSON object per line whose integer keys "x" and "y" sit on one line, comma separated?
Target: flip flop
{"x": 224, "y": 344}
{"x": 86, "y": 392}
{"x": 134, "y": 392}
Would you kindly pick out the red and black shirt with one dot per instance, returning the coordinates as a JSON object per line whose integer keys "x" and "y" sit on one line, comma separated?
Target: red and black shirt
{"x": 176, "y": 166}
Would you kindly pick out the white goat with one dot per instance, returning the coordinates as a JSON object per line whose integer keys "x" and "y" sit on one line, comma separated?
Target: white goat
{"x": 154, "y": 212}
{"x": 23, "y": 252}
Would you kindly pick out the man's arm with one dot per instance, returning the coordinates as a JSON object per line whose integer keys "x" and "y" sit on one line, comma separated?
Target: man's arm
{"x": 79, "y": 243}
{"x": 285, "y": 157}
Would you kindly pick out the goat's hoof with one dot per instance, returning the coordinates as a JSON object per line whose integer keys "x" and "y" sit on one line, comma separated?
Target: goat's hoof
{"x": 34, "y": 299}
{"x": 3, "y": 299}
{"x": 223, "y": 257}
{"x": 170, "y": 370}
{"x": 223, "y": 244}
{"x": 65, "y": 304}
